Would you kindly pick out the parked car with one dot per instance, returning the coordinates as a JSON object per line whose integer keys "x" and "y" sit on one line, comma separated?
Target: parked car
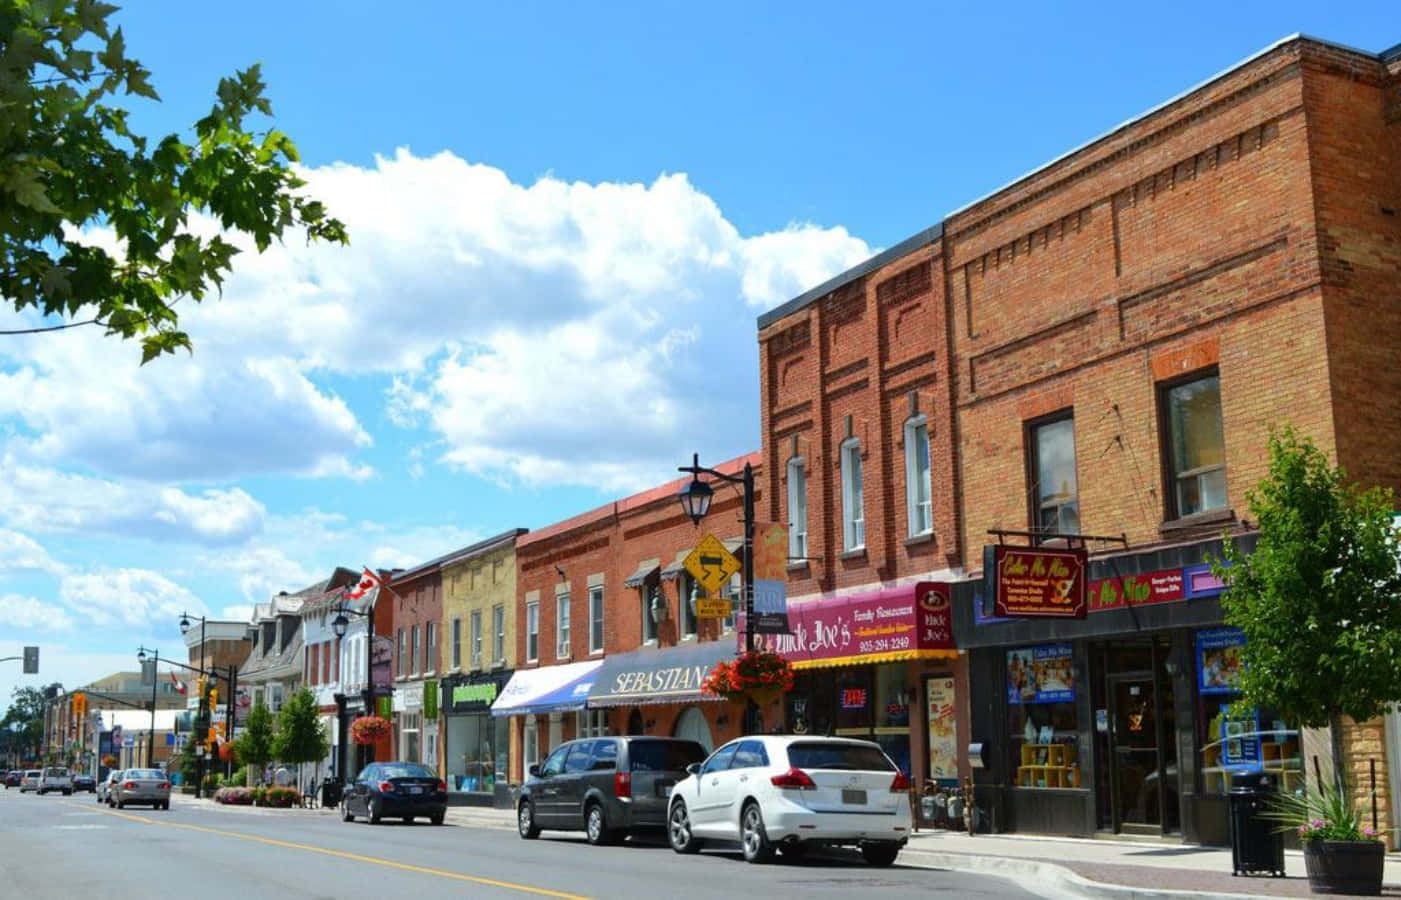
{"x": 30, "y": 781}
{"x": 791, "y": 793}
{"x": 105, "y": 786}
{"x": 606, "y": 787}
{"x": 397, "y": 790}
{"x": 84, "y": 782}
{"x": 149, "y": 786}
{"x": 13, "y": 778}
{"x": 55, "y": 778}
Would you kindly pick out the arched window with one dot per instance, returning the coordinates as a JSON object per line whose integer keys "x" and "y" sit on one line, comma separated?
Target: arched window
{"x": 692, "y": 726}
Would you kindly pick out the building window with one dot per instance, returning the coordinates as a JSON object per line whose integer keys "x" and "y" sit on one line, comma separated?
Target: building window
{"x": 797, "y": 509}
{"x": 476, "y": 639}
{"x": 1051, "y": 448}
{"x": 409, "y": 726}
{"x": 403, "y": 651}
{"x": 1196, "y": 448}
{"x": 651, "y": 602}
{"x": 853, "y": 500}
{"x": 457, "y": 642}
{"x": 690, "y": 593}
{"x": 498, "y": 631}
{"x": 532, "y": 631}
{"x": 734, "y": 593}
{"x": 596, "y": 620}
{"x": 532, "y": 743}
{"x": 592, "y": 723}
{"x": 413, "y": 651}
{"x": 562, "y": 626}
{"x": 275, "y": 697}
{"x": 917, "y": 499}
{"x": 430, "y": 648}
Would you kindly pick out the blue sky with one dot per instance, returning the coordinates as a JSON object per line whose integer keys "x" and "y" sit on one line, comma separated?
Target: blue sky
{"x": 565, "y": 219}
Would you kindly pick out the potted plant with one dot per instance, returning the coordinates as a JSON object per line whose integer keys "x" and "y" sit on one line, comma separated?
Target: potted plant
{"x": 1341, "y": 855}
{"x": 758, "y": 675}
{"x": 369, "y": 729}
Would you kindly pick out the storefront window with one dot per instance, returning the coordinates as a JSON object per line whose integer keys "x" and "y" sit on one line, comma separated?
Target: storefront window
{"x": 1253, "y": 740}
{"x": 1043, "y": 725}
{"x": 477, "y": 747}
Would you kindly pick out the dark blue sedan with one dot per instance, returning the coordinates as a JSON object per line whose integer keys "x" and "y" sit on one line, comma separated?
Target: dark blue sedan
{"x": 396, "y": 790}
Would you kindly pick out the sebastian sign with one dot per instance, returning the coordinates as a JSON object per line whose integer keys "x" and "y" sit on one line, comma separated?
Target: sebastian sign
{"x": 907, "y": 622}
{"x": 1040, "y": 583}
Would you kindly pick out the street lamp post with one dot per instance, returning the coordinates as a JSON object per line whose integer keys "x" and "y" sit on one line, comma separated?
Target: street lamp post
{"x": 151, "y": 735}
{"x": 695, "y": 499}
{"x": 199, "y": 710}
{"x": 339, "y": 625}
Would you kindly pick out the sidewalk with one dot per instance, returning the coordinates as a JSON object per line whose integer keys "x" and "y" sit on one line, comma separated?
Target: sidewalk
{"x": 1153, "y": 870}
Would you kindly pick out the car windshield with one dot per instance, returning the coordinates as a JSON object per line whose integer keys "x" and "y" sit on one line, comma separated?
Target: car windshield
{"x": 664, "y": 756}
{"x": 856, "y": 757}
{"x": 406, "y": 770}
{"x": 144, "y": 773}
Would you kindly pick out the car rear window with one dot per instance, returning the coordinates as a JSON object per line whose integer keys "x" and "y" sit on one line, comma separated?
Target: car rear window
{"x": 144, "y": 773}
{"x": 407, "y": 771}
{"x": 663, "y": 756}
{"x": 52, "y": 772}
{"x": 854, "y": 757}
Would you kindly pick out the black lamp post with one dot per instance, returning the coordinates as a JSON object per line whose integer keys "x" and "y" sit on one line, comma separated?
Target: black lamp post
{"x": 339, "y": 625}
{"x": 231, "y": 686}
{"x": 151, "y": 735}
{"x": 695, "y": 499}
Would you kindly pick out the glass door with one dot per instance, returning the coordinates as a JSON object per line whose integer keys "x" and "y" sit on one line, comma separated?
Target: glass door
{"x": 1136, "y": 782}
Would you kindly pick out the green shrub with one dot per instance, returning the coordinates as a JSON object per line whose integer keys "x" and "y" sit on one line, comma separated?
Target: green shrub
{"x": 283, "y": 797}
{"x": 211, "y": 783}
{"x": 260, "y": 795}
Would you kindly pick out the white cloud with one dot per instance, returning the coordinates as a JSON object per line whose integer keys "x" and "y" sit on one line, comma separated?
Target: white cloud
{"x": 22, "y": 613}
{"x": 48, "y": 500}
{"x": 20, "y": 552}
{"x": 128, "y": 597}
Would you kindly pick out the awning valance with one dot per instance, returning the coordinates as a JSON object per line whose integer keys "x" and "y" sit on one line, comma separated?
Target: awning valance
{"x": 644, "y": 573}
{"x": 671, "y": 675}
{"x": 547, "y": 689}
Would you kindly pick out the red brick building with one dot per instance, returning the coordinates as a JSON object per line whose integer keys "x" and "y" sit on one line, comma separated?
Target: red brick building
{"x": 416, "y": 597}
{"x": 606, "y": 639}
{"x": 1101, "y": 349}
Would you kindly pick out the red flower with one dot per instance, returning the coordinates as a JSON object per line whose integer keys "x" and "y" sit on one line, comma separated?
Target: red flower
{"x": 368, "y": 729}
{"x": 754, "y": 669}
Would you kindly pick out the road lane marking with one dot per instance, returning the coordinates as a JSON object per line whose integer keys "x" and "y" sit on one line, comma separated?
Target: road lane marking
{"x": 342, "y": 854}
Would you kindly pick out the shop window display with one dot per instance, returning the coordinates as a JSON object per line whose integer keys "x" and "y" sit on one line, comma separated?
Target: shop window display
{"x": 1043, "y": 723}
{"x": 477, "y": 750}
{"x": 1238, "y": 740}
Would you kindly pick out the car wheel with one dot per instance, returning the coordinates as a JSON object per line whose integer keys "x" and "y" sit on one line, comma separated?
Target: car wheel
{"x": 437, "y": 820}
{"x": 793, "y": 851}
{"x": 373, "y": 814}
{"x": 678, "y": 829}
{"x": 880, "y": 854}
{"x": 121, "y": 804}
{"x": 596, "y": 826}
{"x": 67, "y": 793}
{"x": 408, "y": 820}
{"x": 757, "y": 848}
{"x": 525, "y": 821}
{"x": 346, "y": 814}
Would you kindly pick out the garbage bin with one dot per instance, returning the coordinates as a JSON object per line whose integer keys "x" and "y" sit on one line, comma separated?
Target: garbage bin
{"x": 331, "y": 793}
{"x": 1256, "y": 842}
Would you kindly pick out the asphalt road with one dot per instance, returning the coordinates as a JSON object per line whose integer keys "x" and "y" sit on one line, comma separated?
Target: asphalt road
{"x": 67, "y": 848}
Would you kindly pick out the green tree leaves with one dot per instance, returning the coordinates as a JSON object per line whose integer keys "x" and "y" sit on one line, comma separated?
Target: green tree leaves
{"x": 301, "y": 736}
{"x": 69, "y": 161}
{"x": 255, "y": 745}
{"x": 1319, "y": 599}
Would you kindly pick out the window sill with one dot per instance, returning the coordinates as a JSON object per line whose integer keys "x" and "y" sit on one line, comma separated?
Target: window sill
{"x": 915, "y": 541}
{"x": 595, "y": 653}
{"x": 854, "y": 553}
{"x": 1198, "y": 520}
{"x": 798, "y": 566}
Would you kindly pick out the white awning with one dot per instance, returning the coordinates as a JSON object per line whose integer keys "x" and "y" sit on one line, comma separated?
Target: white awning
{"x": 547, "y": 689}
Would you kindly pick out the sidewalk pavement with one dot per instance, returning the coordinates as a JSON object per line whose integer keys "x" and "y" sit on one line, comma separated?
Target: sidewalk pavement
{"x": 1123, "y": 869}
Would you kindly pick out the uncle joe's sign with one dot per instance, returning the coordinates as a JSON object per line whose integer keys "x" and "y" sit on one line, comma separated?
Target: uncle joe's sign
{"x": 900, "y": 623}
{"x": 1040, "y": 583}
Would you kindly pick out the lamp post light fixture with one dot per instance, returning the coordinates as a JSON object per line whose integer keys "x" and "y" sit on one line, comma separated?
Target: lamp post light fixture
{"x": 695, "y": 499}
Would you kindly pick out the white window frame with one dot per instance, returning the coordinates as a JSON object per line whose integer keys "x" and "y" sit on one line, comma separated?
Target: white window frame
{"x": 562, "y": 648}
{"x": 853, "y": 497}
{"x": 413, "y": 652}
{"x": 797, "y": 509}
{"x": 733, "y": 590}
{"x": 532, "y": 631}
{"x": 690, "y": 623}
{"x": 596, "y": 619}
{"x": 457, "y": 642}
{"x": 531, "y": 741}
{"x": 498, "y": 631}
{"x": 474, "y": 646}
{"x": 920, "y": 512}
{"x": 430, "y": 648}
{"x": 649, "y": 625}
{"x": 591, "y": 723}
{"x": 403, "y": 650}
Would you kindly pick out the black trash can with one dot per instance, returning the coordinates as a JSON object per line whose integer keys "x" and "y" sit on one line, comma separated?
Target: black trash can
{"x": 1256, "y": 842}
{"x": 331, "y": 793}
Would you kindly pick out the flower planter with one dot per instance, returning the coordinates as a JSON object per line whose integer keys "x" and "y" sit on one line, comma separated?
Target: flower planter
{"x": 1345, "y": 867}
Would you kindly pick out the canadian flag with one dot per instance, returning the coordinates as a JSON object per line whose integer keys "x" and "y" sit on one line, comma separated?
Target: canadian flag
{"x": 368, "y": 582}
{"x": 179, "y": 685}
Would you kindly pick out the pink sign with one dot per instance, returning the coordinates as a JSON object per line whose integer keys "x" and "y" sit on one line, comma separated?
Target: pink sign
{"x": 894, "y": 624}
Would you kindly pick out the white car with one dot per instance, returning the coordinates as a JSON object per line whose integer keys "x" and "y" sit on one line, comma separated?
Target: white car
{"x": 790, "y": 793}
{"x": 55, "y": 778}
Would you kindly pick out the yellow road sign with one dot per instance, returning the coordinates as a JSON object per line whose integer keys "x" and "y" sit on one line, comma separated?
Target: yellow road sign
{"x": 711, "y": 563}
{"x": 712, "y": 607}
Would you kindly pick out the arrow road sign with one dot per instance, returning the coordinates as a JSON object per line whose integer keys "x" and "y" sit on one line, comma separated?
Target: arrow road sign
{"x": 711, "y": 563}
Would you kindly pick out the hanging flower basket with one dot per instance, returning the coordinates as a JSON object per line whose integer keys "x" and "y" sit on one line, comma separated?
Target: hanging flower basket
{"x": 758, "y": 675}
{"x": 367, "y": 730}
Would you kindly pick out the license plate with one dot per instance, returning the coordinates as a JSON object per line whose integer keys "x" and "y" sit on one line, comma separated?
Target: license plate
{"x": 854, "y": 798}
{"x": 415, "y": 790}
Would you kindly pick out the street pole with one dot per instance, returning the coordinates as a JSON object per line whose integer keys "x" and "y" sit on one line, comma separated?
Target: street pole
{"x": 370, "y": 660}
{"x": 229, "y": 710}
{"x": 748, "y": 557}
{"x": 151, "y": 736}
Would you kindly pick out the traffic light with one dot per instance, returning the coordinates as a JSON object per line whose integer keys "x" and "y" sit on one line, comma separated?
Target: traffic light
{"x": 212, "y": 736}
{"x": 31, "y": 660}
{"x": 213, "y": 698}
{"x": 80, "y": 704}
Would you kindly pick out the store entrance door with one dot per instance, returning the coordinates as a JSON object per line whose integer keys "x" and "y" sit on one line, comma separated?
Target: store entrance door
{"x": 1133, "y": 756}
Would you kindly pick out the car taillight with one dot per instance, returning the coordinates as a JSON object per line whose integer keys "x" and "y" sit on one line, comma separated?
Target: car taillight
{"x": 901, "y": 783}
{"x": 386, "y": 787}
{"x": 442, "y": 786}
{"x": 622, "y": 784}
{"x": 794, "y": 779}
{"x": 129, "y": 785}
{"x": 165, "y": 785}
